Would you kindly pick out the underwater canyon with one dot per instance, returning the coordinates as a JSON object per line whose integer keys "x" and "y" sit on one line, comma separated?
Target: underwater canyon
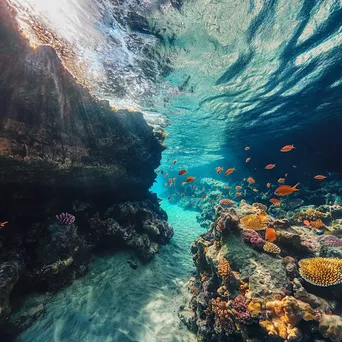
{"x": 170, "y": 170}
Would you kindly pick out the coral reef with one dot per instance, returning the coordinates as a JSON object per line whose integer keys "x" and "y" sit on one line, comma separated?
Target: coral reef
{"x": 271, "y": 248}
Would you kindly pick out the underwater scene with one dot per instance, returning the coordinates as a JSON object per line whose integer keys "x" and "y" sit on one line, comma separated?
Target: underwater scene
{"x": 171, "y": 170}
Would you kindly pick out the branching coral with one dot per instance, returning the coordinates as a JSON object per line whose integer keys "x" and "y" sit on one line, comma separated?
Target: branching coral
{"x": 252, "y": 237}
{"x": 240, "y": 310}
{"x": 321, "y": 271}
{"x": 222, "y": 315}
{"x": 271, "y": 248}
{"x": 253, "y": 221}
{"x": 224, "y": 270}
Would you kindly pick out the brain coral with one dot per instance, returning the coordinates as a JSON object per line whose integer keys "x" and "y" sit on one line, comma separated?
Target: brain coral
{"x": 321, "y": 271}
{"x": 252, "y": 221}
{"x": 270, "y": 247}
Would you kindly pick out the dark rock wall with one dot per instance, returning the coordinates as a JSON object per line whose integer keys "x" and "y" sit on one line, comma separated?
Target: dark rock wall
{"x": 62, "y": 150}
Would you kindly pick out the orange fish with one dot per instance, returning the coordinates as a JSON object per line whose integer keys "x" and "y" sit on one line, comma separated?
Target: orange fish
{"x": 174, "y": 179}
{"x": 219, "y": 195}
{"x": 255, "y": 190}
{"x": 195, "y": 186}
{"x": 219, "y": 169}
{"x": 248, "y": 159}
{"x": 2, "y": 224}
{"x": 320, "y": 177}
{"x": 287, "y": 148}
{"x": 281, "y": 180}
{"x": 238, "y": 194}
{"x": 166, "y": 184}
{"x": 166, "y": 174}
{"x": 158, "y": 170}
{"x": 268, "y": 185}
{"x": 225, "y": 187}
{"x": 216, "y": 183}
{"x": 247, "y": 148}
{"x": 175, "y": 161}
{"x": 182, "y": 172}
{"x": 182, "y": 195}
{"x": 306, "y": 222}
{"x": 229, "y": 171}
{"x": 284, "y": 190}
{"x": 238, "y": 187}
{"x": 204, "y": 196}
{"x": 250, "y": 180}
{"x": 270, "y": 166}
{"x": 270, "y": 235}
{"x": 275, "y": 201}
{"x": 190, "y": 179}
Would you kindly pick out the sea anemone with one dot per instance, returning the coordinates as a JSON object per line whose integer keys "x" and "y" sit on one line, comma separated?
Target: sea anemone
{"x": 321, "y": 271}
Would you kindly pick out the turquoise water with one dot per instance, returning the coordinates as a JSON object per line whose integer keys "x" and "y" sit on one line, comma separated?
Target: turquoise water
{"x": 113, "y": 302}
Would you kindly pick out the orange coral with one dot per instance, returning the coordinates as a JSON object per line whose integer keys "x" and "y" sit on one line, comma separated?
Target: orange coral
{"x": 317, "y": 224}
{"x": 253, "y": 221}
{"x": 270, "y": 247}
{"x": 321, "y": 271}
{"x": 222, "y": 314}
{"x": 223, "y": 269}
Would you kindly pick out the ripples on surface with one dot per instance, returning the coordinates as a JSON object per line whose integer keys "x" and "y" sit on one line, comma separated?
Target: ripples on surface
{"x": 113, "y": 302}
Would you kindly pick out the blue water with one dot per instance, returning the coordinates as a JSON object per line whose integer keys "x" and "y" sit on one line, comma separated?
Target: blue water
{"x": 114, "y": 303}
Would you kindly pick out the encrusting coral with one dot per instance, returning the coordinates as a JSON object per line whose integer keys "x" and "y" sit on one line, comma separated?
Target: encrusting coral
{"x": 330, "y": 326}
{"x": 224, "y": 270}
{"x": 321, "y": 271}
{"x": 271, "y": 248}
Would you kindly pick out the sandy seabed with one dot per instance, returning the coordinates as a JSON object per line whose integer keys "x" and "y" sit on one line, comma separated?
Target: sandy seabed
{"x": 113, "y": 302}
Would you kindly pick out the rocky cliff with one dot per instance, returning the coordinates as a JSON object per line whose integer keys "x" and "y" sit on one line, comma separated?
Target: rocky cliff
{"x": 62, "y": 150}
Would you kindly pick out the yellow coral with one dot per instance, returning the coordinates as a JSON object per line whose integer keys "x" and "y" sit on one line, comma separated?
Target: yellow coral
{"x": 253, "y": 221}
{"x": 270, "y": 247}
{"x": 255, "y": 307}
{"x": 321, "y": 271}
{"x": 224, "y": 270}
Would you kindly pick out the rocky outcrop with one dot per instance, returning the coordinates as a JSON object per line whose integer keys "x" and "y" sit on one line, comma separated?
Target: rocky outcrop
{"x": 62, "y": 150}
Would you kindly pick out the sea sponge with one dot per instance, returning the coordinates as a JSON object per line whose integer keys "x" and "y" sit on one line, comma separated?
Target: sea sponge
{"x": 226, "y": 202}
{"x": 253, "y": 221}
{"x": 223, "y": 269}
{"x": 330, "y": 326}
{"x": 283, "y": 315}
{"x": 255, "y": 308}
{"x": 271, "y": 248}
{"x": 321, "y": 271}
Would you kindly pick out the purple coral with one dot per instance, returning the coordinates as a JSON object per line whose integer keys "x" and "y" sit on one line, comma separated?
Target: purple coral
{"x": 65, "y": 218}
{"x": 252, "y": 237}
{"x": 240, "y": 310}
{"x": 331, "y": 241}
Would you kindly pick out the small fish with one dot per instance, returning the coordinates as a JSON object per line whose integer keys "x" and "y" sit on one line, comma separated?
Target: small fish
{"x": 294, "y": 166}
{"x": 238, "y": 187}
{"x": 169, "y": 197}
{"x": 76, "y": 248}
{"x": 161, "y": 171}
{"x": 285, "y": 174}
{"x": 320, "y": 177}
{"x": 284, "y": 190}
{"x": 2, "y": 224}
{"x": 225, "y": 187}
{"x": 281, "y": 180}
{"x": 247, "y": 148}
{"x": 268, "y": 185}
{"x": 166, "y": 174}
{"x": 275, "y": 201}
{"x": 270, "y": 166}
{"x": 174, "y": 179}
{"x": 216, "y": 183}
{"x": 166, "y": 184}
{"x": 266, "y": 193}
{"x": 190, "y": 179}
{"x": 182, "y": 195}
{"x": 203, "y": 197}
{"x": 182, "y": 172}
{"x": 175, "y": 161}
{"x": 183, "y": 183}
{"x": 229, "y": 171}
{"x": 158, "y": 170}
{"x": 250, "y": 180}
{"x": 306, "y": 222}
{"x": 248, "y": 159}
{"x": 238, "y": 194}
{"x": 195, "y": 186}
{"x": 219, "y": 169}
{"x": 270, "y": 234}
{"x": 287, "y": 148}
{"x": 212, "y": 201}
{"x": 255, "y": 190}
{"x": 219, "y": 195}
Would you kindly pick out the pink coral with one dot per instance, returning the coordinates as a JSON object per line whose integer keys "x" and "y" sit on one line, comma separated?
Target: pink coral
{"x": 240, "y": 310}
{"x": 252, "y": 237}
{"x": 331, "y": 241}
